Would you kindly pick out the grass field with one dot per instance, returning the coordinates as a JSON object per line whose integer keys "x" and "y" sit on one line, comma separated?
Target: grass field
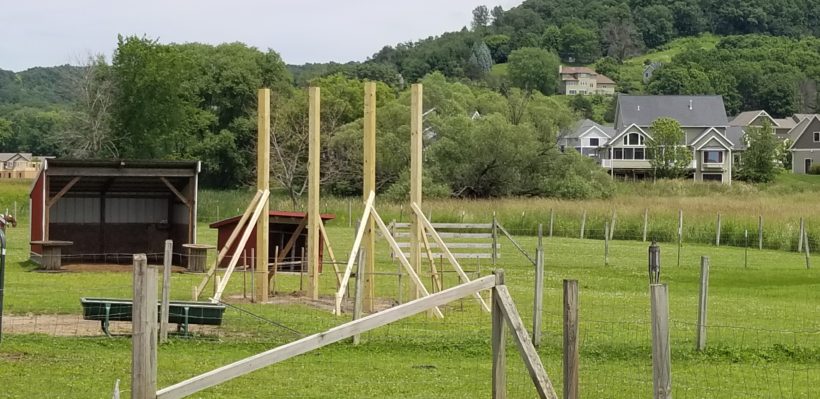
{"x": 764, "y": 335}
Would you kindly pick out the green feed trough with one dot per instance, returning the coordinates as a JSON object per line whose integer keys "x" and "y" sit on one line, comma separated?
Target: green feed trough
{"x": 180, "y": 312}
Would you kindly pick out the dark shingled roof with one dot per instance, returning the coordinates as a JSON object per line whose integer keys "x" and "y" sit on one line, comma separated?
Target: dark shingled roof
{"x": 580, "y": 127}
{"x": 707, "y": 111}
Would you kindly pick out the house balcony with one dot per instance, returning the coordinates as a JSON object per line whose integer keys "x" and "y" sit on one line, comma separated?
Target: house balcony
{"x": 634, "y": 164}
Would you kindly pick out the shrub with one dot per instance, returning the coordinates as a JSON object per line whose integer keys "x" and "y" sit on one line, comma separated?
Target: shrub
{"x": 814, "y": 169}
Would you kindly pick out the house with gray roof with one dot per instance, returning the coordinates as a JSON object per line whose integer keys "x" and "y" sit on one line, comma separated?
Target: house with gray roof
{"x": 702, "y": 118}
{"x": 758, "y": 118}
{"x": 586, "y": 137}
{"x": 18, "y": 165}
{"x": 804, "y": 141}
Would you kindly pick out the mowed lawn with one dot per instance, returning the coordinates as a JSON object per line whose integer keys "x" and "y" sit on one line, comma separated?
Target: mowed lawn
{"x": 764, "y": 339}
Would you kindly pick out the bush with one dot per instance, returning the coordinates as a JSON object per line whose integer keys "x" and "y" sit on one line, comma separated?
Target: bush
{"x": 815, "y": 169}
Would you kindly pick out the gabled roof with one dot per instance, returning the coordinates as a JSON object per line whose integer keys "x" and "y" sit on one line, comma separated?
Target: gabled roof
{"x": 574, "y": 70}
{"x": 623, "y": 131}
{"x": 800, "y": 129}
{"x": 707, "y": 135}
{"x": 692, "y": 111}
{"x": 584, "y": 126}
{"x": 11, "y": 156}
{"x": 800, "y": 117}
{"x": 747, "y": 117}
{"x": 785, "y": 123}
{"x": 602, "y": 79}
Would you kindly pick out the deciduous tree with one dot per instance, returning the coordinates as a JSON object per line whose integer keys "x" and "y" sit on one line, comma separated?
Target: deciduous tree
{"x": 670, "y": 158}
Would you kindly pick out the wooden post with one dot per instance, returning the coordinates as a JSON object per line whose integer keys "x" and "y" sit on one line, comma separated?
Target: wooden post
{"x": 760, "y": 232}
{"x": 661, "y": 352}
{"x": 606, "y": 244}
{"x": 416, "y": 129}
{"x": 571, "y": 344}
{"x": 499, "y": 342}
{"x": 369, "y": 185}
{"x": 583, "y": 223}
{"x": 495, "y": 239}
{"x": 746, "y": 248}
{"x": 144, "y": 330}
{"x": 680, "y": 232}
{"x": 313, "y": 215}
{"x": 357, "y": 299}
{"x": 645, "y": 222}
{"x": 800, "y": 236}
{"x": 806, "y": 245}
{"x": 703, "y": 302}
{"x": 552, "y": 220}
{"x": 538, "y": 305}
{"x": 717, "y": 231}
{"x": 166, "y": 291}
{"x": 263, "y": 184}
{"x": 611, "y": 230}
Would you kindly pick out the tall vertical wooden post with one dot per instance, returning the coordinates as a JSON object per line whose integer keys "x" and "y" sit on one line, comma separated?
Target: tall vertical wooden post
{"x": 495, "y": 238}
{"x": 314, "y": 218}
{"x": 661, "y": 351}
{"x": 369, "y": 185}
{"x": 760, "y": 232}
{"x": 680, "y": 232}
{"x": 571, "y": 347}
{"x": 166, "y": 291}
{"x": 416, "y": 129}
{"x": 538, "y": 305}
{"x": 717, "y": 232}
{"x": 262, "y": 184}
{"x": 703, "y": 303}
{"x": 645, "y": 222}
{"x": 552, "y": 220}
{"x": 144, "y": 330}
{"x": 583, "y": 223}
{"x": 499, "y": 341}
{"x": 800, "y": 236}
{"x": 606, "y": 244}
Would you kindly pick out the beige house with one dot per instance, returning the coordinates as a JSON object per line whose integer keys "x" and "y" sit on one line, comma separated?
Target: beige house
{"x": 583, "y": 80}
{"x": 18, "y": 165}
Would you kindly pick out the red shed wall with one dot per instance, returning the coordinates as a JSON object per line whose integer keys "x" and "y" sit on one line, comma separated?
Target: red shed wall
{"x": 224, "y": 232}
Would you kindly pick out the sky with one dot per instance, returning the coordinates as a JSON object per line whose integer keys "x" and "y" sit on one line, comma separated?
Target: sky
{"x": 56, "y": 32}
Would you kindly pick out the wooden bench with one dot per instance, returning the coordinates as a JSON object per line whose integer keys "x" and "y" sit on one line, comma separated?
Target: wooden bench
{"x": 183, "y": 313}
{"x": 52, "y": 253}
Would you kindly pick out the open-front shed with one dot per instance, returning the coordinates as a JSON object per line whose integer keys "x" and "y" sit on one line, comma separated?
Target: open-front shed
{"x": 287, "y": 231}
{"x": 105, "y": 211}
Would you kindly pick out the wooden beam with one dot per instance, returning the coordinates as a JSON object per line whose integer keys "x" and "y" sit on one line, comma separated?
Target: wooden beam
{"x": 62, "y": 192}
{"x": 144, "y": 330}
{"x": 240, "y": 227}
{"x": 329, "y": 248}
{"x": 433, "y": 269}
{"x": 166, "y": 291}
{"x": 403, "y": 260}
{"x": 315, "y": 341}
{"x": 447, "y": 252}
{"x": 357, "y": 242}
{"x": 262, "y": 184}
{"x": 499, "y": 343}
{"x": 176, "y": 192}
{"x": 369, "y": 185}
{"x": 120, "y": 172}
{"x": 291, "y": 241}
{"x": 539, "y": 376}
{"x": 314, "y": 219}
{"x": 257, "y": 215}
{"x": 416, "y": 129}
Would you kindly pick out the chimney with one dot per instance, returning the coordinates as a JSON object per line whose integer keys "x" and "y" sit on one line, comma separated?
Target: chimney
{"x": 690, "y": 105}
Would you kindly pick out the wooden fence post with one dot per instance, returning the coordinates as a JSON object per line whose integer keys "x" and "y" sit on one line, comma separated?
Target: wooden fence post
{"x": 717, "y": 231}
{"x": 680, "y": 232}
{"x": 571, "y": 348}
{"x": 552, "y": 220}
{"x": 800, "y": 236}
{"x": 538, "y": 305}
{"x": 645, "y": 222}
{"x": 166, "y": 291}
{"x": 499, "y": 341}
{"x": 611, "y": 230}
{"x": 606, "y": 244}
{"x": 144, "y": 330}
{"x": 661, "y": 352}
{"x": 806, "y": 245}
{"x": 703, "y": 303}
{"x": 583, "y": 223}
{"x": 495, "y": 239}
{"x": 359, "y": 297}
{"x": 760, "y": 232}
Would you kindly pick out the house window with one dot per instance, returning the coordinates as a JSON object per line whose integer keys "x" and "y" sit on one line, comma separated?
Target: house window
{"x": 713, "y": 177}
{"x": 639, "y": 153}
{"x": 618, "y": 153}
{"x": 713, "y": 157}
{"x": 562, "y": 148}
{"x": 594, "y": 142}
{"x": 817, "y": 137}
{"x": 633, "y": 139}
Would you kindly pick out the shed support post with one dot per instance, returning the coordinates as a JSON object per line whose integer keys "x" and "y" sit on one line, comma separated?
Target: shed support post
{"x": 263, "y": 184}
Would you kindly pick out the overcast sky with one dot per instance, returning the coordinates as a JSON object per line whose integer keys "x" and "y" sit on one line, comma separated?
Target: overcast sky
{"x": 55, "y": 32}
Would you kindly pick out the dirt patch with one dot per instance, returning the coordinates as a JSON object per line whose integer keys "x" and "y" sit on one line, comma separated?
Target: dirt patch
{"x": 75, "y": 326}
